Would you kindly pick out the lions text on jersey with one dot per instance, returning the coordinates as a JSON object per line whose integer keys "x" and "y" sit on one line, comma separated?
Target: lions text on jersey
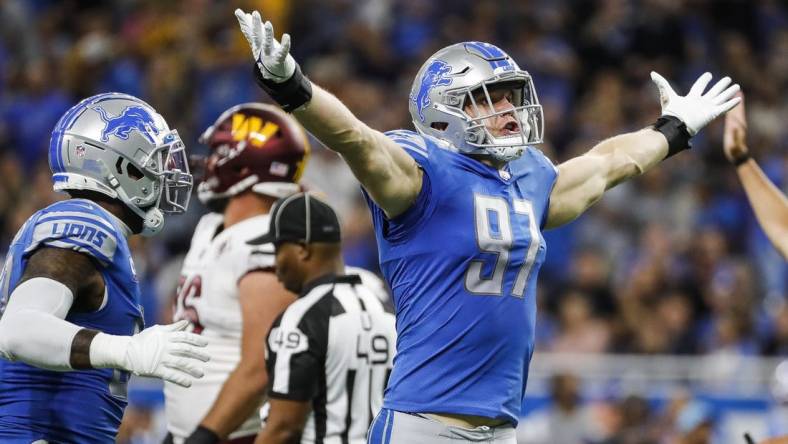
{"x": 462, "y": 264}
{"x": 83, "y": 406}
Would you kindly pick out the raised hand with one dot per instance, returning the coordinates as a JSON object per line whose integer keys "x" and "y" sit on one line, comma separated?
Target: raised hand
{"x": 696, "y": 109}
{"x": 272, "y": 57}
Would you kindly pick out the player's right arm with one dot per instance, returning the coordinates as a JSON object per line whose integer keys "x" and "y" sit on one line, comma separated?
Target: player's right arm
{"x": 57, "y": 281}
{"x": 768, "y": 202}
{"x": 391, "y": 177}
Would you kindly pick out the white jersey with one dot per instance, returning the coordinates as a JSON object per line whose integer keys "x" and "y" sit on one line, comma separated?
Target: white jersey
{"x": 208, "y": 297}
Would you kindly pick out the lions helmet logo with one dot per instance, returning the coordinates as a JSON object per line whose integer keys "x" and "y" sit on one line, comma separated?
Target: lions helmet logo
{"x": 132, "y": 118}
{"x": 434, "y": 75}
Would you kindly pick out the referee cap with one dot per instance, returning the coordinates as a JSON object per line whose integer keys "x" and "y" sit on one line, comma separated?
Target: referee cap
{"x": 303, "y": 218}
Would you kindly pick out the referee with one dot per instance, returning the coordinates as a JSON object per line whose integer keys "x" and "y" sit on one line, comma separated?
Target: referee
{"x": 330, "y": 353}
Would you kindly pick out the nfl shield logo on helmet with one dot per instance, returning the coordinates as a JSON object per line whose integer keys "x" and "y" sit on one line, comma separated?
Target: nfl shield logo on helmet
{"x": 80, "y": 151}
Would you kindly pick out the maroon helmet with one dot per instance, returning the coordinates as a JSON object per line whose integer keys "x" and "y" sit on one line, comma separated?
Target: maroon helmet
{"x": 253, "y": 146}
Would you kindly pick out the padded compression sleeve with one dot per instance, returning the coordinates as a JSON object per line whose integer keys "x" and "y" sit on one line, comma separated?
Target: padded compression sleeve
{"x": 33, "y": 329}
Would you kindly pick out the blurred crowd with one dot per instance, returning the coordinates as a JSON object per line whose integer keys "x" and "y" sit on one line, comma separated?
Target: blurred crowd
{"x": 672, "y": 262}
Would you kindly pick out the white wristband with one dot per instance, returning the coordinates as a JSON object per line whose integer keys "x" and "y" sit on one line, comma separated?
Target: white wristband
{"x": 109, "y": 351}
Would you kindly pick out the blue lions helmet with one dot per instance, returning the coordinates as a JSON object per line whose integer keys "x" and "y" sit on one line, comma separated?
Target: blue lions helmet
{"x": 117, "y": 145}
{"x": 446, "y": 84}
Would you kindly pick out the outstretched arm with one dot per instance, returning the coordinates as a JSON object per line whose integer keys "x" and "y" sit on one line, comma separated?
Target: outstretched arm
{"x": 387, "y": 172}
{"x": 391, "y": 176}
{"x": 768, "y": 202}
{"x": 582, "y": 180}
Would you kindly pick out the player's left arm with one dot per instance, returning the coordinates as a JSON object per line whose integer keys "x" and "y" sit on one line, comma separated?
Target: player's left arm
{"x": 262, "y": 299}
{"x": 285, "y": 422}
{"x": 583, "y": 180}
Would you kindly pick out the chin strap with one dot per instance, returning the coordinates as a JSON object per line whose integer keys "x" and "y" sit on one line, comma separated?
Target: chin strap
{"x": 152, "y": 222}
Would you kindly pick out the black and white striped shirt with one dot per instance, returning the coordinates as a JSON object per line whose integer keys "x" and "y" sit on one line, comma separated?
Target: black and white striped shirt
{"x": 334, "y": 347}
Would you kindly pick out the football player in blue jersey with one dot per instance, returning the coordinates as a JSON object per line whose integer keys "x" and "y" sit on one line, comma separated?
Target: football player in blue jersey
{"x": 71, "y": 320}
{"x": 458, "y": 208}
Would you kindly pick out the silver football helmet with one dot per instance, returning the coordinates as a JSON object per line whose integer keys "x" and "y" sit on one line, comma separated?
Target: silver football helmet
{"x": 445, "y": 85}
{"x": 118, "y": 145}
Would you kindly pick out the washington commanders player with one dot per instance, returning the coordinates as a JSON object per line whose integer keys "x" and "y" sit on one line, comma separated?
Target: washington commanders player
{"x": 228, "y": 291}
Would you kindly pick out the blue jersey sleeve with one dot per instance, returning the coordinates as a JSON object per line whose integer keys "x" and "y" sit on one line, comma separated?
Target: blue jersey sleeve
{"x": 84, "y": 228}
{"x": 398, "y": 228}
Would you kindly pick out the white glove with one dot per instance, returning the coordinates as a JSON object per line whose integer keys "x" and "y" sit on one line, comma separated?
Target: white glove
{"x": 161, "y": 351}
{"x": 273, "y": 58}
{"x": 694, "y": 109}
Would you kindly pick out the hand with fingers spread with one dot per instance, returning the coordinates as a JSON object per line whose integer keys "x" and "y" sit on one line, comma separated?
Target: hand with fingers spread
{"x": 161, "y": 351}
{"x": 696, "y": 109}
{"x": 277, "y": 72}
{"x": 272, "y": 57}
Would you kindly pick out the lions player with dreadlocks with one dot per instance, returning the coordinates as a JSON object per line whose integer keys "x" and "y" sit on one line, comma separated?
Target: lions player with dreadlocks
{"x": 458, "y": 208}
{"x": 69, "y": 297}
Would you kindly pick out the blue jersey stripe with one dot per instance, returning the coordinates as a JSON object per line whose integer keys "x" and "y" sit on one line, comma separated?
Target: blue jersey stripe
{"x": 411, "y": 147}
{"x": 409, "y": 140}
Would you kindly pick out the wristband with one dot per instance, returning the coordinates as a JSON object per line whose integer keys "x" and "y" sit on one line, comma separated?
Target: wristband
{"x": 290, "y": 94}
{"x": 202, "y": 435}
{"x": 741, "y": 159}
{"x": 109, "y": 351}
{"x": 675, "y": 131}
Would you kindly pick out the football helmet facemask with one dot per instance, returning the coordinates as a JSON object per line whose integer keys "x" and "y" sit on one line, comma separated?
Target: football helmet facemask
{"x": 453, "y": 78}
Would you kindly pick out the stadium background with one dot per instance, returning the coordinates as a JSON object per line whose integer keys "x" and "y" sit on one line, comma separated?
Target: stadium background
{"x": 672, "y": 263}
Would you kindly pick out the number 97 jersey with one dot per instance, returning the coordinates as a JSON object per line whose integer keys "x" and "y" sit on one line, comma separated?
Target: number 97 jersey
{"x": 462, "y": 264}
{"x": 207, "y": 296}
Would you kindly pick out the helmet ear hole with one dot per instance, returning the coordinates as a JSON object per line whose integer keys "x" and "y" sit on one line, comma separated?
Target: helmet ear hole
{"x": 440, "y": 126}
{"x": 133, "y": 172}
{"x": 119, "y": 165}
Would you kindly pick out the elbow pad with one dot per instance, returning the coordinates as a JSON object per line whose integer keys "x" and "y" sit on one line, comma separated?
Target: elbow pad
{"x": 33, "y": 329}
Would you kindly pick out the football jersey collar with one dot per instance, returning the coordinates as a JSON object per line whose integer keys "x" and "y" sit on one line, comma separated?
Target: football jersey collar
{"x": 330, "y": 279}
